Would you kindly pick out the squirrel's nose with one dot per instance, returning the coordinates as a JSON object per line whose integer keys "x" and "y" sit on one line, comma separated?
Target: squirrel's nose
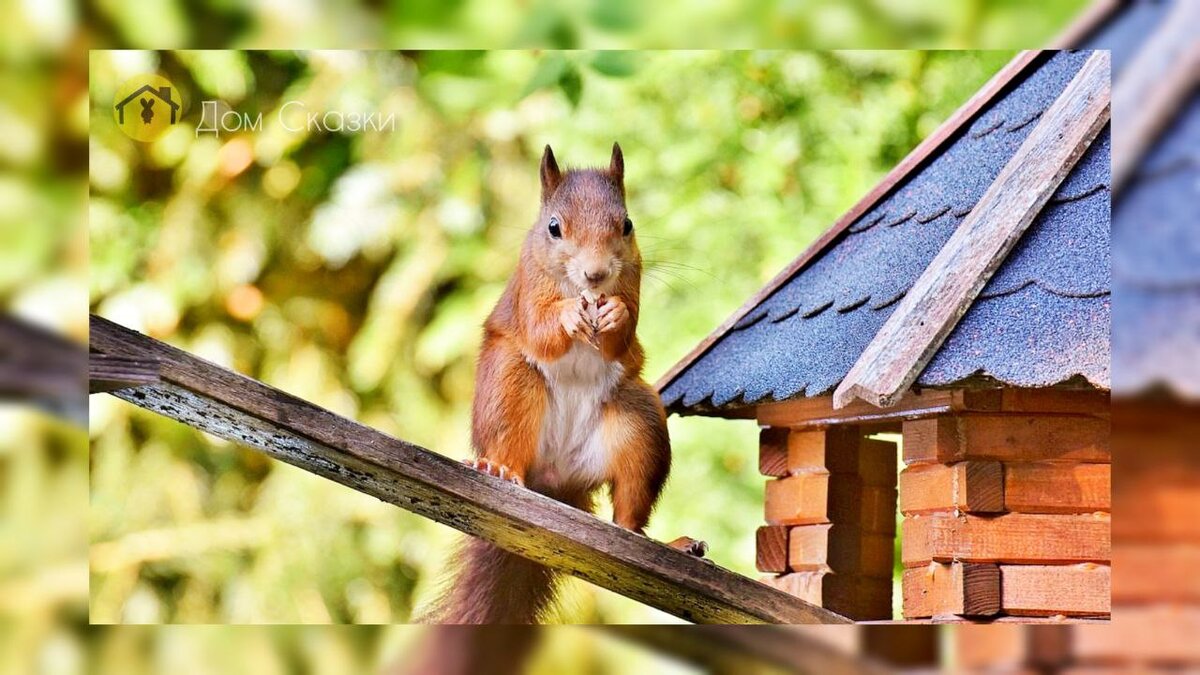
{"x": 596, "y": 276}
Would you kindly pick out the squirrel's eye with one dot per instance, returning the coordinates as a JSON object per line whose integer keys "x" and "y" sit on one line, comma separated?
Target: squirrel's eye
{"x": 628, "y": 227}
{"x": 555, "y": 228}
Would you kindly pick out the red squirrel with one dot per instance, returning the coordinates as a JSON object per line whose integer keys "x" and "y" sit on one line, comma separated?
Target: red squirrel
{"x": 560, "y": 405}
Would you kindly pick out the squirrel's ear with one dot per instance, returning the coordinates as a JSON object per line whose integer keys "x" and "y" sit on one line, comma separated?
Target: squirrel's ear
{"x": 551, "y": 176}
{"x": 616, "y": 166}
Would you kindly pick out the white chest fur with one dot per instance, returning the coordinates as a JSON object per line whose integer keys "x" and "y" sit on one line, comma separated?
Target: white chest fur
{"x": 571, "y": 449}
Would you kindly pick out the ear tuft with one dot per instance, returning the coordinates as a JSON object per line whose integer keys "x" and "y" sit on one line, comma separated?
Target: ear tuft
{"x": 551, "y": 176}
{"x": 616, "y": 166}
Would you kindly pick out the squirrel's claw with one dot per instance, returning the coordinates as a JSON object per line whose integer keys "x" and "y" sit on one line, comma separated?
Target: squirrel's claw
{"x": 689, "y": 546}
{"x": 494, "y": 469}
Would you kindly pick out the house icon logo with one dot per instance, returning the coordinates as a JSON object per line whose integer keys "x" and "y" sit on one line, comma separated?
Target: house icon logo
{"x": 144, "y": 107}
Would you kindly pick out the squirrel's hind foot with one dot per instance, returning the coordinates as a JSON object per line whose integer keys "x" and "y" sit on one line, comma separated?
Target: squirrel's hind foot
{"x": 690, "y": 546}
{"x": 494, "y": 469}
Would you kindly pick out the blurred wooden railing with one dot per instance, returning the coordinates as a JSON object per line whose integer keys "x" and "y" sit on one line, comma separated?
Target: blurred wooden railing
{"x": 180, "y": 386}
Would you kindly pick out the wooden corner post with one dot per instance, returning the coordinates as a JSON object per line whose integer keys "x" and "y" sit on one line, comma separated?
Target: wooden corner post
{"x": 1006, "y": 515}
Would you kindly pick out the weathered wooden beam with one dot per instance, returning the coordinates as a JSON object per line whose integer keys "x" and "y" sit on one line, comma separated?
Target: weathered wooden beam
{"x": 1052, "y": 487}
{"x": 232, "y": 406}
{"x": 956, "y": 588}
{"x": 801, "y": 650}
{"x": 971, "y": 487}
{"x": 107, "y": 372}
{"x": 1017, "y": 538}
{"x": 942, "y": 294}
{"x": 915, "y": 159}
{"x": 1160, "y": 633}
{"x": 857, "y": 596}
{"x": 818, "y": 411}
{"x": 771, "y": 548}
{"x": 1051, "y": 590}
{"x": 1008, "y": 438}
{"x": 1150, "y": 90}
{"x": 1156, "y": 572}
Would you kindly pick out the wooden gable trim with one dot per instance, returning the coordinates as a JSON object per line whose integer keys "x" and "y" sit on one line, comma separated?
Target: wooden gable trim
{"x": 1153, "y": 87}
{"x": 949, "y": 285}
{"x": 1086, "y": 24}
{"x": 934, "y": 142}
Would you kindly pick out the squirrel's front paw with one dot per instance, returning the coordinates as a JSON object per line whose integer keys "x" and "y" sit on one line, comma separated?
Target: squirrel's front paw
{"x": 574, "y": 319}
{"x": 612, "y": 314}
{"x": 495, "y": 469}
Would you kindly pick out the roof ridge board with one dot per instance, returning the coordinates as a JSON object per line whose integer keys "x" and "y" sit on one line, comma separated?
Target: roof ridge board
{"x": 996, "y": 86}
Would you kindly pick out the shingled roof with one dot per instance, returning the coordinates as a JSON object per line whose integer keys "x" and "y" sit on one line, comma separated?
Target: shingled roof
{"x": 1043, "y": 319}
{"x": 1156, "y": 235}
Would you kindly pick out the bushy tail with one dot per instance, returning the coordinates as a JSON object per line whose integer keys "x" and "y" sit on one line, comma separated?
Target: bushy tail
{"x": 493, "y": 586}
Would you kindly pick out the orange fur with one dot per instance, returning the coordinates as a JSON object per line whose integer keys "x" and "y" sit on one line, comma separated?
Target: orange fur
{"x": 525, "y": 336}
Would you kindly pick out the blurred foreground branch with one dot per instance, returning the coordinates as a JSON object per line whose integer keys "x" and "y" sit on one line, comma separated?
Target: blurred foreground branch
{"x": 42, "y": 369}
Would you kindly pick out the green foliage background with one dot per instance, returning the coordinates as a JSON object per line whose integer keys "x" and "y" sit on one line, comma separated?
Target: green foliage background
{"x": 355, "y": 269}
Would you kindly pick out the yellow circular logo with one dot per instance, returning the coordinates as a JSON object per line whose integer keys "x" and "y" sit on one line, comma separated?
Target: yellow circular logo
{"x": 146, "y": 106}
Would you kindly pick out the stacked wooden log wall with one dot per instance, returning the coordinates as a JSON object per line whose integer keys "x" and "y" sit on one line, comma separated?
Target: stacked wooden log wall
{"x": 1006, "y": 514}
{"x": 831, "y": 518}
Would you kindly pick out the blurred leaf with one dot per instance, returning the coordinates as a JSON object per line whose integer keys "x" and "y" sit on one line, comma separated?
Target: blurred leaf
{"x": 614, "y": 63}
{"x": 549, "y": 71}
{"x": 572, "y": 84}
{"x": 615, "y": 15}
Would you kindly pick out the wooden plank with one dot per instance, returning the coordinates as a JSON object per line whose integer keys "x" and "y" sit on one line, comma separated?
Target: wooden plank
{"x": 871, "y": 508}
{"x": 1049, "y": 647}
{"x": 1152, "y": 88}
{"x": 961, "y": 119}
{"x": 1156, "y": 572}
{"x": 860, "y": 598}
{"x": 798, "y": 500}
{"x": 1010, "y": 538}
{"x": 992, "y": 648}
{"x": 970, "y": 487}
{"x": 1044, "y": 487}
{"x": 818, "y": 497}
{"x": 878, "y": 461}
{"x": 942, "y": 294}
{"x": 906, "y": 648}
{"x": 1050, "y": 590}
{"x": 835, "y": 449}
{"x": 1157, "y": 493}
{"x": 845, "y": 450}
{"x": 926, "y": 488}
{"x": 1008, "y": 438}
{"x": 1152, "y": 634}
{"x": 107, "y": 372}
{"x": 229, "y": 405}
{"x": 771, "y": 549}
{"x": 839, "y": 548}
{"x": 773, "y": 451}
{"x": 962, "y": 589}
{"x": 818, "y": 411}
{"x": 1053, "y": 400}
